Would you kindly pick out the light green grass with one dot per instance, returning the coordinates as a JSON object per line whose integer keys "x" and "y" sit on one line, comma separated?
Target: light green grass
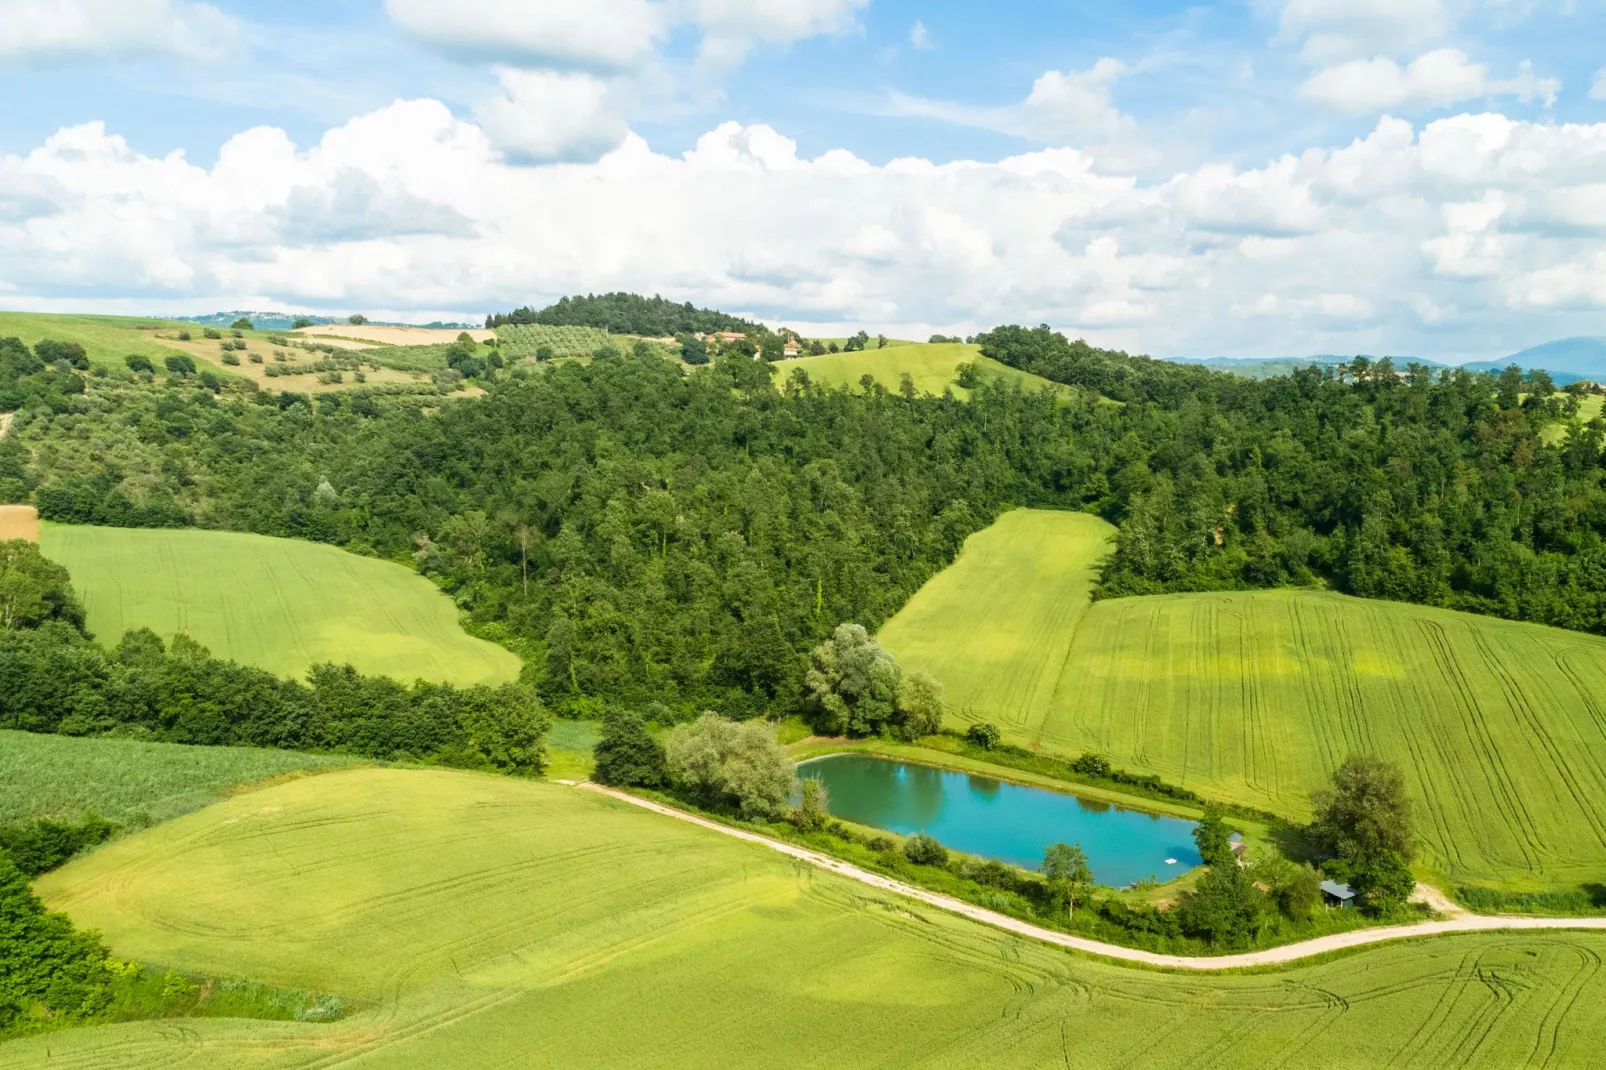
{"x": 932, "y": 367}
{"x": 1256, "y": 697}
{"x": 131, "y": 782}
{"x": 495, "y": 922}
{"x": 994, "y": 627}
{"x": 279, "y": 604}
{"x": 106, "y": 339}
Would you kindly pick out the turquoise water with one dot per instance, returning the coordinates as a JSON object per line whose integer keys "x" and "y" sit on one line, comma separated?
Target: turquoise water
{"x": 994, "y": 819}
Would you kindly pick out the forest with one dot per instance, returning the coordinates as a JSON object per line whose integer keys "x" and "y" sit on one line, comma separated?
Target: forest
{"x": 623, "y": 313}
{"x": 642, "y": 532}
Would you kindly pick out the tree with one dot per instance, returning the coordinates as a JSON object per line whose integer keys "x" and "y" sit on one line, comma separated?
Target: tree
{"x": 814, "y": 806}
{"x": 925, "y": 850}
{"x": 1067, "y": 874}
{"x": 854, "y": 682}
{"x": 1225, "y": 907}
{"x": 242, "y": 324}
{"x": 505, "y": 727}
{"x": 34, "y": 589}
{"x": 984, "y": 735}
{"x": 922, "y": 704}
{"x": 71, "y": 354}
{"x": 693, "y": 350}
{"x": 772, "y": 347}
{"x": 627, "y": 754}
{"x": 47, "y": 969}
{"x": 1384, "y": 882}
{"x": 1214, "y": 839}
{"x": 356, "y": 319}
{"x": 138, "y": 363}
{"x": 300, "y": 322}
{"x": 1366, "y": 813}
{"x": 731, "y": 764}
{"x": 179, "y": 364}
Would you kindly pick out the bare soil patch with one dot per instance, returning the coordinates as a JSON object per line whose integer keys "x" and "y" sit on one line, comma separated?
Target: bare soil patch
{"x": 396, "y": 336}
{"x": 19, "y": 522}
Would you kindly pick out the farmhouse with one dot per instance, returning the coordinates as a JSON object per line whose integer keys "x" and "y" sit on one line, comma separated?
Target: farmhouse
{"x": 1338, "y": 895}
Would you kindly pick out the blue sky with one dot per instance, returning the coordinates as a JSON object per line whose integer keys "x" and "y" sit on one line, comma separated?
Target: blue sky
{"x": 1280, "y": 176}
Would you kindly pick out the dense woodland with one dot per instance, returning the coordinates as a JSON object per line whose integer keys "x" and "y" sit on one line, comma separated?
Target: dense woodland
{"x": 622, "y": 313}
{"x": 641, "y": 532}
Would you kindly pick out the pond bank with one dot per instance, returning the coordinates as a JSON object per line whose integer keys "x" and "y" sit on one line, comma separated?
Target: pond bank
{"x": 1275, "y": 956}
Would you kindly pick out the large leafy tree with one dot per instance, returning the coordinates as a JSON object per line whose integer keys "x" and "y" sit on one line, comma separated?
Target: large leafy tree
{"x": 1366, "y": 813}
{"x": 34, "y": 589}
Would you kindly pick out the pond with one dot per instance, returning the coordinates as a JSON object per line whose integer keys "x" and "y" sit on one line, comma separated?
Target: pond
{"x": 995, "y": 819}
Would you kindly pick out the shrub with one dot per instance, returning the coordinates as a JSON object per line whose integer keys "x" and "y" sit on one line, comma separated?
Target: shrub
{"x": 882, "y": 844}
{"x": 237, "y": 334}
{"x": 37, "y": 847}
{"x": 628, "y": 755}
{"x": 183, "y": 336}
{"x": 984, "y": 735}
{"x": 179, "y": 364}
{"x": 242, "y": 324}
{"x": 813, "y": 811}
{"x": 231, "y": 359}
{"x": 255, "y": 358}
{"x": 212, "y": 333}
{"x": 137, "y": 363}
{"x": 924, "y": 850}
{"x": 732, "y": 765}
{"x": 300, "y": 322}
{"x": 1093, "y": 765}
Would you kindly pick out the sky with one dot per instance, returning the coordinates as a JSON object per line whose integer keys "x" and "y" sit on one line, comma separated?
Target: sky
{"x": 1267, "y": 178}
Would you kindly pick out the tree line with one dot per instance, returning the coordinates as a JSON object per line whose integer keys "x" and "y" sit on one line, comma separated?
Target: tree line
{"x": 624, "y": 313}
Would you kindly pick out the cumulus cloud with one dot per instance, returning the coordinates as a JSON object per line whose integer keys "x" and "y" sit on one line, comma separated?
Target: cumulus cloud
{"x": 47, "y": 32}
{"x": 1597, "y": 91}
{"x": 1332, "y": 30}
{"x": 1411, "y": 239}
{"x": 920, "y": 37}
{"x": 1435, "y": 79}
{"x": 552, "y": 115}
{"x": 609, "y": 34}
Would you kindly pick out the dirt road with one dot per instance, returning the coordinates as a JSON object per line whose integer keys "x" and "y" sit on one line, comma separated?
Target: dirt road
{"x": 1460, "y": 923}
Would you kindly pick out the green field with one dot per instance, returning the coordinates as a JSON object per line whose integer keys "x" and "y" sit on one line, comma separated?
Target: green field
{"x": 496, "y": 922}
{"x": 279, "y": 604}
{"x": 1256, "y": 697}
{"x": 131, "y": 782}
{"x": 932, "y": 367}
{"x": 106, "y": 339}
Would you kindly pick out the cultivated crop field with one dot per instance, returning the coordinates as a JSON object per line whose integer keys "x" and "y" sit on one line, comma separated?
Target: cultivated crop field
{"x": 993, "y": 627}
{"x": 932, "y": 367}
{"x": 19, "y": 522}
{"x": 280, "y": 604}
{"x": 1256, "y": 697}
{"x": 127, "y": 781}
{"x": 500, "y": 922}
{"x": 522, "y": 340}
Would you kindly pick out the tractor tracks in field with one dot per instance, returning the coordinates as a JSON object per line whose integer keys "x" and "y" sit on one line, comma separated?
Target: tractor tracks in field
{"x": 1458, "y": 921}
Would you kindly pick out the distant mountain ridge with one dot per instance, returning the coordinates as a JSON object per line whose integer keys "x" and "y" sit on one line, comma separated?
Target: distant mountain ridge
{"x": 284, "y": 321}
{"x": 1568, "y": 360}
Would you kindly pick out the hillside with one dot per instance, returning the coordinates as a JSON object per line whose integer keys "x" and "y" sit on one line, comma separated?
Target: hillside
{"x": 278, "y": 604}
{"x": 106, "y": 339}
{"x": 541, "y": 904}
{"x": 934, "y": 369}
{"x": 1256, "y": 697}
{"x": 1567, "y": 360}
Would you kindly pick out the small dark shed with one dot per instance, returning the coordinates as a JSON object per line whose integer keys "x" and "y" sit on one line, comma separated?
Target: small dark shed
{"x": 1338, "y": 895}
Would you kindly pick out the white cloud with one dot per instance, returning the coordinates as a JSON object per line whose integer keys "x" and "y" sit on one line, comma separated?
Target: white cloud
{"x": 552, "y": 115}
{"x": 1597, "y": 90}
{"x": 777, "y": 21}
{"x": 1417, "y": 240}
{"x": 45, "y": 32}
{"x": 1332, "y": 30}
{"x": 920, "y": 37}
{"x": 606, "y": 34}
{"x": 1062, "y": 107}
{"x": 1433, "y": 80}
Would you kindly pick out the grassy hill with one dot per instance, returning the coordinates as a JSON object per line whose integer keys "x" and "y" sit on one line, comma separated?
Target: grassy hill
{"x": 106, "y": 339}
{"x": 279, "y": 604}
{"x": 494, "y": 922}
{"x": 933, "y": 368}
{"x": 1256, "y": 697}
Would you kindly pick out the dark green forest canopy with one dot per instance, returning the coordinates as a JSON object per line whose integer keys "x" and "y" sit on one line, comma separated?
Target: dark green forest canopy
{"x": 622, "y": 313}
{"x": 641, "y": 532}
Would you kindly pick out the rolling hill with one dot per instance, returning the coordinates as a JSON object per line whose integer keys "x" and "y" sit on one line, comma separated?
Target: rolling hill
{"x": 278, "y": 604}
{"x": 485, "y": 921}
{"x": 933, "y": 368}
{"x": 1255, "y": 697}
